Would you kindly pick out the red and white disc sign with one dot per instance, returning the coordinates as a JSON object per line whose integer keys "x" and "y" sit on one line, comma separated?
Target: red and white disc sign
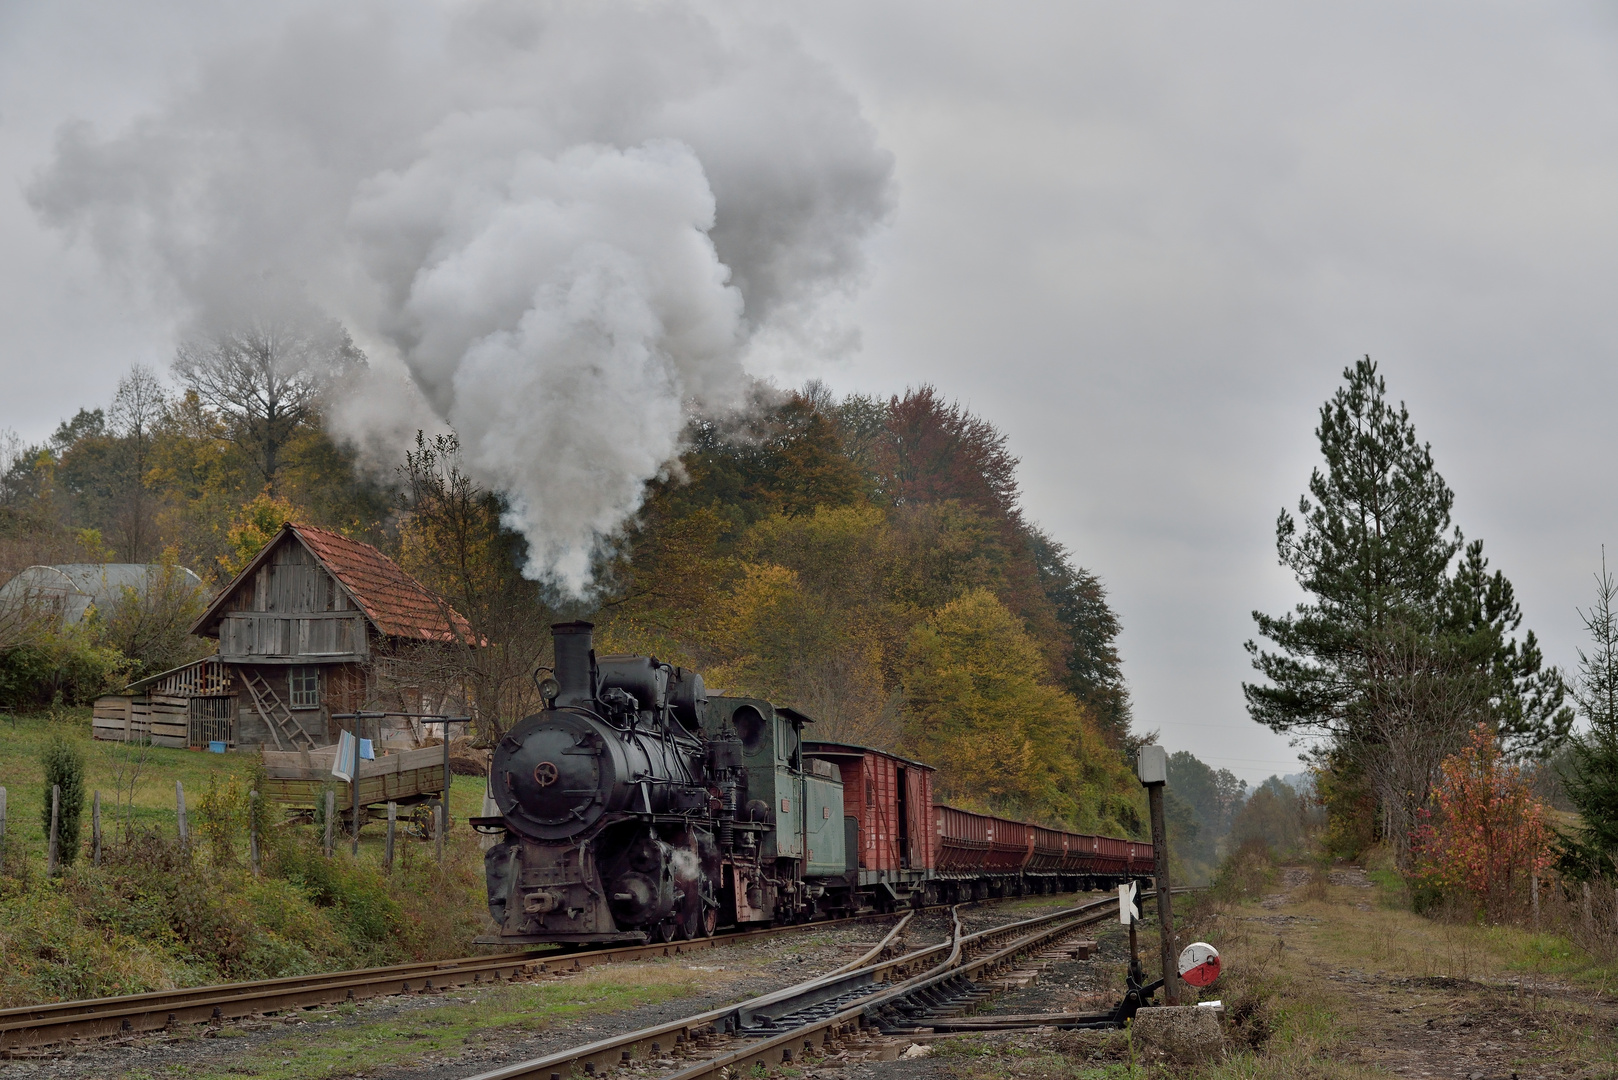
{"x": 1199, "y": 963}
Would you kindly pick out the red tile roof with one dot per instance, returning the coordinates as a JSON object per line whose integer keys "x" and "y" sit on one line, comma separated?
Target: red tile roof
{"x": 397, "y": 603}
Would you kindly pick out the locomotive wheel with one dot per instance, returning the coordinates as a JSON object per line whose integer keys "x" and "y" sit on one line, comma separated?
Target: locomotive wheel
{"x": 710, "y": 921}
{"x": 665, "y": 931}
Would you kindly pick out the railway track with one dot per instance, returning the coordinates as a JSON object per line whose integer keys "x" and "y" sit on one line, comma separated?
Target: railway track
{"x": 776, "y": 1028}
{"x": 31, "y": 1026}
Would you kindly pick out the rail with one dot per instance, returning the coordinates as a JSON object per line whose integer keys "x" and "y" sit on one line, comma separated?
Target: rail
{"x": 54, "y": 1022}
{"x": 775, "y": 1024}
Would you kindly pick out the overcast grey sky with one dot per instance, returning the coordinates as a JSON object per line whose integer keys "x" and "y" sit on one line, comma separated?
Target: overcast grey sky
{"x": 1142, "y": 239}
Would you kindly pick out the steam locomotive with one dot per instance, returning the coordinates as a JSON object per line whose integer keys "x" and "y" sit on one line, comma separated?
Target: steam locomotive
{"x": 634, "y": 807}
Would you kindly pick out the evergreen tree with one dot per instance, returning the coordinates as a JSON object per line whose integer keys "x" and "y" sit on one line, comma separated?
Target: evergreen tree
{"x": 1094, "y": 671}
{"x": 1409, "y": 638}
{"x": 1374, "y": 551}
{"x": 1591, "y": 776}
{"x": 64, "y": 767}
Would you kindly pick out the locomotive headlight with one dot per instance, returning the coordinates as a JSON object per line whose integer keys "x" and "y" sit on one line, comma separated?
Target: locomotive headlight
{"x": 549, "y": 688}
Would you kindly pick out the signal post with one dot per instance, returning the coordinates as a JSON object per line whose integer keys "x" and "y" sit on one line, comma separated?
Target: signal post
{"x": 1152, "y": 766}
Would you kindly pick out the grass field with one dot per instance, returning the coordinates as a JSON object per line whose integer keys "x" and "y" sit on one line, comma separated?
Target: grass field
{"x": 139, "y": 780}
{"x": 158, "y": 914}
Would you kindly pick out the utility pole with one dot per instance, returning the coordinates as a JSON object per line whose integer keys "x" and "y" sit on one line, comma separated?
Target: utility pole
{"x": 1152, "y": 765}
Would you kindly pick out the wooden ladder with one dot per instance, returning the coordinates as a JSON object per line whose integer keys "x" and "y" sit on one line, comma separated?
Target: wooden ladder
{"x": 276, "y": 714}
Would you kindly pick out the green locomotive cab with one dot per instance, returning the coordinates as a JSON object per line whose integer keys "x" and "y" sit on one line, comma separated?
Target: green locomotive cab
{"x": 787, "y": 859}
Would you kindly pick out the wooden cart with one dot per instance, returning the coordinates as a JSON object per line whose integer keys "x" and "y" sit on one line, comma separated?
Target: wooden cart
{"x": 299, "y": 778}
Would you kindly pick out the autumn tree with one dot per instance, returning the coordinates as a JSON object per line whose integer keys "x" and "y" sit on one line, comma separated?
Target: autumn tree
{"x": 453, "y": 541}
{"x": 1093, "y": 669}
{"x": 1485, "y": 832}
{"x": 151, "y": 626}
{"x": 979, "y": 706}
{"x": 809, "y": 622}
{"x": 138, "y": 408}
{"x": 255, "y": 524}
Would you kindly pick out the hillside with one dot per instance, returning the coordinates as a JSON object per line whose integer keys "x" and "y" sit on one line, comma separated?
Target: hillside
{"x": 864, "y": 560}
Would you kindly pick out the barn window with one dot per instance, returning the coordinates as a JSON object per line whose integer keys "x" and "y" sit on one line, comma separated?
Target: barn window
{"x": 305, "y": 685}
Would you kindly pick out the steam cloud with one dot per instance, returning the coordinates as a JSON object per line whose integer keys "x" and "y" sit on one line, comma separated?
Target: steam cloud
{"x": 569, "y": 221}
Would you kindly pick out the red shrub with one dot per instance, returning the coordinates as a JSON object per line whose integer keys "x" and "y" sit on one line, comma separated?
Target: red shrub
{"x": 1486, "y": 832}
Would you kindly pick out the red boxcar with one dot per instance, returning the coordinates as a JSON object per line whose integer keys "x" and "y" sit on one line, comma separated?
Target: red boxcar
{"x": 1110, "y": 855}
{"x": 891, "y": 797}
{"x": 977, "y": 843}
{"x": 1050, "y": 851}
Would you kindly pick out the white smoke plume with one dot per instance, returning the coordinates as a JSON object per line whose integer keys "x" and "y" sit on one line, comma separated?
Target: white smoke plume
{"x": 568, "y": 221}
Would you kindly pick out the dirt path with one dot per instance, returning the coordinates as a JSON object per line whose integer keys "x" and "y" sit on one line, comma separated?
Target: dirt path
{"x": 1403, "y": 996}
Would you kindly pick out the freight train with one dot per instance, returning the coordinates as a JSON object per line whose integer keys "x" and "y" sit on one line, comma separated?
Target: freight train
{"x": 635, "y": 807}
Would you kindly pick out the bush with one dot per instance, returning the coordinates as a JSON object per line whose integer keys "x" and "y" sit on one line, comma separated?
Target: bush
{"x": 1486, "y": 832}
{"x": 64, "y": 768}
{"x": 59, "y": 667}
{"x": 222, "y": 813}
{"x": 1246, "y": 872}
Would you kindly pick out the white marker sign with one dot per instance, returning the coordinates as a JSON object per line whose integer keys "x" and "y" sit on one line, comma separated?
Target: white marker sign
{"x": 1127, "y": 911}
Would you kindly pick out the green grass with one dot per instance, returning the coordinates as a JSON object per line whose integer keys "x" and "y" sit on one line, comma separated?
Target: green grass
{"x": 151, "y": 772}
{"x": 156, "y": 916}
{"x": 521, "y": 1009}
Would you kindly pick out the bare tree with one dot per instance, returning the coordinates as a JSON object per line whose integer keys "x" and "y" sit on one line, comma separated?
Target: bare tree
{"x": 138, "y": 406}
{"x": 266, "y": 374}
{"x": 453, "y": 541}
{"x": 1420, "y": 701}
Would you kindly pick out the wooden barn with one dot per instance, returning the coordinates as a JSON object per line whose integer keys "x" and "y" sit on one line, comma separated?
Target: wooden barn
{"x": 302, "y": 630}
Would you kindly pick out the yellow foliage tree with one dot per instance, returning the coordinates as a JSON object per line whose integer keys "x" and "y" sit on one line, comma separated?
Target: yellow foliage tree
{"x": 255, "y": 525}
{"x": 979, "y": 706}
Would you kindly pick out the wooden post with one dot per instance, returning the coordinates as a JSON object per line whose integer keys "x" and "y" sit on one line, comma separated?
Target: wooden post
{"x": 179, "y": 814}
{"x": 1165, "y": 903}
{"x": 2, "y": 830}
{"x": 95, "y": 830}
{"x": 443, "y": 802}
{"x": 387, "y": 853}
{"x": 1533, "y": 892}
{"x": 354, "y": 783}
{"x": 331, "y": 817}
{"x": 56, "y": 807}
{"x": 1589, "y": 921}
{"x": 1152, "y": 768}
{"x": 440, "y": 815}
{"x": 252, "y": 832}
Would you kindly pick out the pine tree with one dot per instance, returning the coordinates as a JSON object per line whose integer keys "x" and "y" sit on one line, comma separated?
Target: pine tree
{"x": 1409, "y": 639}
{"x": 1591, "y": 777}
{"x": 1374, "y": 550}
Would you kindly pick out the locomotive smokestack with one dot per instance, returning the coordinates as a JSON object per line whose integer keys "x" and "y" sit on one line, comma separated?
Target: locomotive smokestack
{"x": 575, "y": 662}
